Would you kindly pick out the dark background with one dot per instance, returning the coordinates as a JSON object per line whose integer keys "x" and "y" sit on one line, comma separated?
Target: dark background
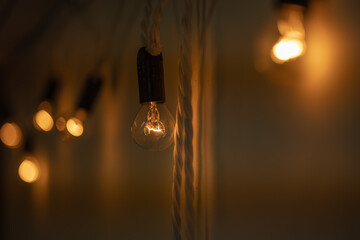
{"x": 285, "y": 143}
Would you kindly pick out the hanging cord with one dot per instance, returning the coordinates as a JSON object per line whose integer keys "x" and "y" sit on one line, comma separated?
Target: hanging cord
{"x": 151, "y": 37}
{"x": 185, "y": 70}
{"x": 183, "y": 148}
{"x": 145, "y": 23}
{"x": 178, "y": 166}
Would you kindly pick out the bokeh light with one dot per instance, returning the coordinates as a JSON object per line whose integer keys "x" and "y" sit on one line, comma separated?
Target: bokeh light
{"x": 43, "y": 120}
{"x": 75, "y": 127}
{"x": 61, "y": 124}
{"x": 287, "y": 49}
{"x": 29, "y": 170}
{"x": 11, "y": 135}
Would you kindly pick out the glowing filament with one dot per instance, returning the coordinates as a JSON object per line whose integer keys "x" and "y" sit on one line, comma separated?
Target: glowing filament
{"x": 11, "y": 135}
{"x": 75, "y": 127}
{"x": 153, "y": 123}
{"x": 43, "y": 120}
{"x": 28, "y": 171}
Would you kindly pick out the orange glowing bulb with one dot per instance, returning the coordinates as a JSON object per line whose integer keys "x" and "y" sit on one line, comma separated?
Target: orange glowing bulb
{"x": 11, "y": 135}
{"x": 28, "y": 170}
{"x": 75, "y": 127}
{"x": 287, "y": 49}
{"x": 43, "y": 120}
{"x": 291, "y": 43}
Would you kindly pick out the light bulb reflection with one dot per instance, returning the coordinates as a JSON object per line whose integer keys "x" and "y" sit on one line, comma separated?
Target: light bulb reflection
{"x": 29, "y": 170}
{"x": 75, "y": 127}
{"x": 43, "y": 120}
{"x": 11, "y": 135}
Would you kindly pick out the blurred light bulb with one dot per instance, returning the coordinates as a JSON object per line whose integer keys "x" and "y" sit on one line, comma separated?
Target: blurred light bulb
{"x": 29, "y": 170}
{"x": 11, "y": 135}
{"x": 287, "y": 49}
{"x": 60, "y": 124}
{"x": 153, "y": 127}
{"x": 291, "y": 43}
{"x": 75, "y": 127}
{"x": 43, "y": 120}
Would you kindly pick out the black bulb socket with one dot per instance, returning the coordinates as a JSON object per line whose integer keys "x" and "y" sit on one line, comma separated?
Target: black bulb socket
{"x": 150, "y": 71}
{"x": 51, "y": 90}
{"x": 304, "y": 3}
{"x": 90, "y": 92}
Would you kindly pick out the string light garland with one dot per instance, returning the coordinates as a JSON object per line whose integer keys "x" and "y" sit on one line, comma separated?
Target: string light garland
{"x": 153, "y": 126}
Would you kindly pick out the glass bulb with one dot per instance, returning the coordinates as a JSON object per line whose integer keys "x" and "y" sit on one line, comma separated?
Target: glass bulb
{"x": 153, "y": 127}
{"x": 291, "y": 43}
{"x": 11, "y": 135}
{"x": 29, "y": 170}
{"x": 75, "y": 127}
{"x": 43, "y": 121}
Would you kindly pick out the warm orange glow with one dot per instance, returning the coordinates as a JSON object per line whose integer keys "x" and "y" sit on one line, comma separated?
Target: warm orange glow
{"x": 28, "y": 170}
{"x": 43, "y": 120}
{"x": 287, "y": 49}
{"x": 11, "y": 135}
{"x": 75, "y": 127}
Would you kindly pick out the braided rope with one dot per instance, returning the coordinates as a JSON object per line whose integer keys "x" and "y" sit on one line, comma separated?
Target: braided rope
{"x": 154, "y": 47}
{"x": 185, "y": 72}
{"x": 145, "y": 23}
{"x": 183, "y": 148}
{"x": 178, "y": 167}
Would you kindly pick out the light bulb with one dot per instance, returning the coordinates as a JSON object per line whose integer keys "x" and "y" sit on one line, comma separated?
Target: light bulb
{"x": 286, "y": 49}
{"x": 43, "y": 120}
{"x": 29, "y": 170}
{"x": 75, "y": 127}
{"x": 153, "y": 126}
{"x": 291, "y": 43}
{"x": 11, "y": 135}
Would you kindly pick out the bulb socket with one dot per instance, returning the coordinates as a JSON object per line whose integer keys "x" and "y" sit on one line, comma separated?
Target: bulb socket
{"x": 5, "y": 112}
{"x": 51, "y": 90}
{"x": 90, "y": 92}
{"x": 150, "y": 76}
{"x": 304, "y": 3}
{"x": 29, "y": 144}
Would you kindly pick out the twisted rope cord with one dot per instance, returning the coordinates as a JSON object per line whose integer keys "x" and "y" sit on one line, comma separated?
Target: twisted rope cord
{"x": 185, "y": 72}
{"x": 150, "y": 37}
{"x": 178, "y": 166}
{"x": 145, "y": 23}
{"x": 154, "y": 48}
{"x": 183, "y": 148}
{"x": 178, "y": 161}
